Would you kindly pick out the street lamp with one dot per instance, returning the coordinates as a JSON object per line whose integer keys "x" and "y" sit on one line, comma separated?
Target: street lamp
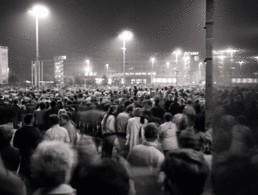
{"x": 231, "y": 51}
{"x": 152, "y": 73}
{"x": 241, "y": 63}
{"x": 126, "y": 35}
{"x": 107, "y": 68}
{"x": 177, "y": 52}
{"x": 39, "y": 12}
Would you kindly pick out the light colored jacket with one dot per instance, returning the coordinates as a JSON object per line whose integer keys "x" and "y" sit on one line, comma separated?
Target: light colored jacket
{"x": 167, "y": 136}
{"x": 132, "y": 132}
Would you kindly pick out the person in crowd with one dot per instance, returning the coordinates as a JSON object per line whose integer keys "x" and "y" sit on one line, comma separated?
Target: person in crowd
{"x": 56, "y": 132}
{"x": 147, "y": 154}
{"x": 168, "y": 134}
{"x": 51, "y": 167}
{"x": 10, "y": 183}
{"x": 62, "y": 111}
{"x": 222, "y": 140}
{"x": 145, "y": 161}
{"x": 181, "y": 121}
{"x": 23, "y": 111}
{"x": 108, "y": 126}
{"x": 243, "y": 142}
{"x": 9, "y": 154}
{"x": 173, "y": 109}
{"x": 197, "y": 106}
{"x": 105, "y": 177}
{"x": 88, "y": 156}
{"x": 64, "y": 121}
{"x": 52, "y": 110}
{"x": 156, "y": 110}
{"x": 59, "y": 105}
{"x": 15, "y": 113}
{"x": 189, "y": 112}
{"x": 135, "y": 129}
{"x": 185, "y": 172}
{"x": 168, "y": 102}
{"x": 40, "y": 117}
{"x": 26, "y": 139}
{"x": 121, "y": 126}
{"x": 151, "y": 119}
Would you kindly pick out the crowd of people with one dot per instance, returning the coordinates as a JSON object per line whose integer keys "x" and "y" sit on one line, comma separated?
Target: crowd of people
{"x": 135, "y": 140}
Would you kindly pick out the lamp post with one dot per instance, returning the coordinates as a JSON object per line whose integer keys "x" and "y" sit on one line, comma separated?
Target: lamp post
{"x": 39, "y": 12}
{"x": 177, "y": 52}
{"x": 126, "y": 35}
{"x": 241, "y": 63}
{"x": 152, "y": 66}
{"x": 231, "y": 51}
{"x": 107, "y": 68}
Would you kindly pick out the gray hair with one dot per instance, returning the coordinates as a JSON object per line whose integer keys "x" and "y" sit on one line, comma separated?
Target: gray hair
{"x": 52, "y": 163}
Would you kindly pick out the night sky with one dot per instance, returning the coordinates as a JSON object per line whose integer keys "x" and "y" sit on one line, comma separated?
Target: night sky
{"x": 84, "y": 27}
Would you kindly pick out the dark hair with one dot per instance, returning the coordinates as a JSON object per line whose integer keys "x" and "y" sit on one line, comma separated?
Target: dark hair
{"x": 147, "y": 112}
{"x": 199, "y": 122}
{"x": 241, "y": 119}
{"x": 167, "y": 117}
{"x": 129, "y": 108}
{"x": 53, "y": 118}
{"x": 110, "y": 112}
{"x": 151, "y": 132}
{"x": 186, "y": 169}
{"x": 28, "y": 119}
{"x": 156, "y": 100}
{"x": 110, "y": 175}
{"x": 53, "y": 104}
{"x": 127, "y": 103}
{"x": 42, "y": 105}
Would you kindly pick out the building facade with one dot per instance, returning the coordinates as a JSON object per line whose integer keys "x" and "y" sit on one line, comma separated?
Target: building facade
{"x": 139, "y": 68}
{"x": 4, "y": 69}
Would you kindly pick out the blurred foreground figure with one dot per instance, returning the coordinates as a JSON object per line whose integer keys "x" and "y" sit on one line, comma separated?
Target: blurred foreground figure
{"x": 185, "y": 172}
{"x": 51, "y": 167}
{"x": 106, "y": 177}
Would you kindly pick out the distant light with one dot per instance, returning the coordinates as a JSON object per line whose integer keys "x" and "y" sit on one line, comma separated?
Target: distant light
{"x": 221, "y": 57}
{"x": 87, "y": 61}
{"x": 107, "y": 65}
{"x": 178, "y": 51}
{"x": 126, "y": 35}
{"x": 39, "y": 11}
{"x": 152, "y": 60}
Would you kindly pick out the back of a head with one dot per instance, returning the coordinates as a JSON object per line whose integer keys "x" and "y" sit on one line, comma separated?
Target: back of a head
{"x": 42, "y": 105}
{"x": 51, "y": 163}
{"x": 156, "y": 100}
{"x": 151, "y": 132}
{"x": 167, "y": 117}
{"x": 6, "y": 134}
{"x": 147, "y": 112}
{"x": 53, "y": 118}
{"x": 64, "y": 116}
{"x": 28, "y": 119}
{"x": 137, "y": 112}
{"x": 129, "y": 109}
{"x": 53, "y": 104}
{"x": 106, "y": 177}
{"x": 186, "y": 172}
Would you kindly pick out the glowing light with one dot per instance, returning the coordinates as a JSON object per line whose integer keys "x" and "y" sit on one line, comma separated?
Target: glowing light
{"x": 39, "y": 11}
{"x": 152, "y": 60}
{"x": 126, "y": 35}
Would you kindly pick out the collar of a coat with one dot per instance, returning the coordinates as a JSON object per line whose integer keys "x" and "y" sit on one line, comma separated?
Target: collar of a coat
{"x": 152, "y": 144}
